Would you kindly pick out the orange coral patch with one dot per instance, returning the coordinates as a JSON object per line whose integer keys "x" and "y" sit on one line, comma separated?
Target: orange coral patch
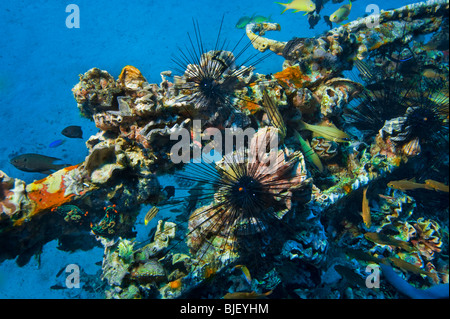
{"x": 291, "y": 76}
{"x": 377, "y": 45}
{"x": 130, "y": 73}
{"x": 69, "y": 168}
{"x": 46, "y": 200}
{"x": 38, "y": 192}
{"x": 347, "y": 188}
{"x": 175, "y": 284}
{"x": 252, "y": 107}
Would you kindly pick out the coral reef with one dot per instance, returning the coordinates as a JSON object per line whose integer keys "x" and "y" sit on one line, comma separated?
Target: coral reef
{"x": 13, "y": 197}
{"x": 294, "y": 227}
{"x": 260, "y": 43}
{"x": 96, "y": 91}
{"x": 136, "y": 273}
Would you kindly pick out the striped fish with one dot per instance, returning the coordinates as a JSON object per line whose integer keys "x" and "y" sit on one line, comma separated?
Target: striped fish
{"x": 150, "y": 214}
{"x": 364, "y": 69}
{"x": 274, "y": 114}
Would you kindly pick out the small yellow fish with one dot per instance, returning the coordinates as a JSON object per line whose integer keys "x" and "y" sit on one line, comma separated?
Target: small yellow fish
{"x": 387, "y": 240}
{"x": 274, "y": 115}
{"x": 299, "y": 5}
{"x": 400, "y": 263}
{"x": 246, "y": 273}
{"x": 362, "y": 255}
{"x": 405, "y": 184}
{"x": 366, "y": 210}
{"x": 435, "y": 185}
{"x": 386, "y": 197}
{"x": 309, "y": 153}
{"x": 328, "y": 132}
{"x": 246, "y": 295}
{"x": 150, "y": 214}
{"x": 433, "y": 74}
{"x": 341, "y": 14}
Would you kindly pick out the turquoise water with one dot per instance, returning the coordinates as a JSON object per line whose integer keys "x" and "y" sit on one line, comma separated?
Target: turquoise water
{"x": 41, "y": 58}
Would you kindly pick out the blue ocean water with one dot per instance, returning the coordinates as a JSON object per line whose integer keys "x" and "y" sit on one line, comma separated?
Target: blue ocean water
{"x": 41, "y": 58}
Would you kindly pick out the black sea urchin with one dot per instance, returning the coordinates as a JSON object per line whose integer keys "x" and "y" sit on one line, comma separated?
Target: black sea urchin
{"x": 242, "y": 199}
{"x": 376, "y": 104}
{"x": 427, "y": 120}
{"x": 211, "y": 76}
{"x": 399, "y": 83}
{"x": 249, "y": 194}
{"x": 387, "y": 94}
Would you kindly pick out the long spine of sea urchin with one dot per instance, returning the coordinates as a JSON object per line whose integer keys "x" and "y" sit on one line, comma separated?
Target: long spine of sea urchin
{"x": 212, "y": 76}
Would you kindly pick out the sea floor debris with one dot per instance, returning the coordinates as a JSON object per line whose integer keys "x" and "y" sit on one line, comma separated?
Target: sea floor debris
{"x": 329, "y": 170}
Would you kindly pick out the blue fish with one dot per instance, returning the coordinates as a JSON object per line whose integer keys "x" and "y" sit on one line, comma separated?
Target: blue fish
{"x": 56, "y": 143}
{"x": 435, "y": 292}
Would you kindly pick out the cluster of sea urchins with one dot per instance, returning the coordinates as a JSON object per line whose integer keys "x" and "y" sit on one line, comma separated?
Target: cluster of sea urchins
{"x": 246, "y": 193}
{"x": 415, "y": 106}
{"x": 211, "y": 77}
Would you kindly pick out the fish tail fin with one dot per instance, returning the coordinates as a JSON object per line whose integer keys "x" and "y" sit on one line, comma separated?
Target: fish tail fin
{"x": 303, "y": 125}
{"x": 365, "y": 190}
{"x": 285, "y": 6}
{"x": 297, "y": 134}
